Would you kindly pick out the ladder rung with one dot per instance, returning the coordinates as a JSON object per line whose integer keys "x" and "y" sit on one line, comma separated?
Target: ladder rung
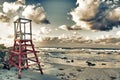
{"x": 13, "y": 63}
{"x": 27, "y": 52}
{"x": 26, "y": 40}
{"x": 15, "y": 52}
{"x": 27, "y": 45}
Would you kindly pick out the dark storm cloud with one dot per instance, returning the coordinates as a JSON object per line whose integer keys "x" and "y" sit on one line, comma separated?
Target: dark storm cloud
{"x": 97, "y": 15}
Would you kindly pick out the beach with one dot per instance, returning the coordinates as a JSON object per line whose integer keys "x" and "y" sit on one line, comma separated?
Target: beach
{"x": 71, "y": 64}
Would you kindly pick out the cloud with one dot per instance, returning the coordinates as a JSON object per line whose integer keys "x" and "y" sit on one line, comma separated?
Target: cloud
{"x": 108, "y": 40}
{"x": 79, "y": 41}
{"x": 21, "y": 1}
{"x": 10, "y": 36}
{"x": 75, "y": 33}
{"x": 36, "y": 14}
{"x": 65, "y": 39}
{"x": 96, "y": 15}
{"x": 44, "y": 30}
{"x": 118, "y": 33}
{"x": 12, "y": 9}
{"x": 6, "y": 33}
{"x": 111, "y": 40}
{"x": 64, "y": 27}
{"x": 4, "y": 18}
{"x": 18, "y": 8}
{"x": 9, "y": 11}
{"x": 67, "y": 28}
{"x": 75, "y": 27}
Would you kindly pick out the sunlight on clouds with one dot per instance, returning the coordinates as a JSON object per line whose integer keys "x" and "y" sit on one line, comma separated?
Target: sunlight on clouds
{"x": 96, "y": 15}
{"x": 92, "y": 15}
{"x": 75, "y": 27}
{"x": 67, "y": 28}
{"x": 115, "y": 14}
{"x": 34, "y": 12}
{"x": 64, "y": 27}
{"x": 10, "y": 11}
{"x": 78, "y": 41}
{"x": 75, "y": 33}
{"x": 118, "y": 33}
{"x": 44, "y": 30}
{"x": 12, "y": 7}
{"x": 6, "y": 34}
{"x": 4, "y": 18}
{"x": 37, "y": 14}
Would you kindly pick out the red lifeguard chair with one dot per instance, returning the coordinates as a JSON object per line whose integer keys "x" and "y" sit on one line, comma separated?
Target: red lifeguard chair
{"x": 23, "y": 46}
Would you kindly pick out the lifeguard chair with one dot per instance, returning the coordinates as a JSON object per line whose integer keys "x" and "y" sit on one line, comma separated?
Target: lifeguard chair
{"x": 23, "y": 46}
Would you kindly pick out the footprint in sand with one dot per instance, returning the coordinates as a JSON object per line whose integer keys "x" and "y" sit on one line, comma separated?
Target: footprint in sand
{"x": 72, "y": 74}
{"x": 79, "y": 70}
{"x": 61, "y": 69}
{"x": 113, "y": 78}
{"x": 103, "y": 64}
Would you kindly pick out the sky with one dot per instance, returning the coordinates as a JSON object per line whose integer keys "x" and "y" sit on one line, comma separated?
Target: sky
{"x": 73, "y": 22}
{"x": 57, "y": 10}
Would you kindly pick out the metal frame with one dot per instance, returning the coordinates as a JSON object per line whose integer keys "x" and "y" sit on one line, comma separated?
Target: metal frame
{"x": 22, "y": 47}
{"x": 19, "y": 33}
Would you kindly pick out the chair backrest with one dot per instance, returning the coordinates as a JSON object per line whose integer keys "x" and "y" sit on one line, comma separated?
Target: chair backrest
{"x": 23, "y": 29}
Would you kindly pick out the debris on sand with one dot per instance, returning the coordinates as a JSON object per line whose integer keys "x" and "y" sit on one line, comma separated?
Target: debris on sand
{"x": 90, "y": 63}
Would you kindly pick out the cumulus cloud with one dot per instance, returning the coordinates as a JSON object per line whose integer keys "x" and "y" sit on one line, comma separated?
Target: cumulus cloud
{"x": 64, "y": 27}
{"x": 67, "y": 28}
{"x": 12, "y": 9}
{"x": 75, "y": 33}
{"x": 36, "y": 14}
{"x": 96, "y": 14}
{"x": 118, "y": 33}
{"x": 18, "y": 8}
{"x": 65, "y": 39}
{"x": 6, "y": 33}
{"x": 79, "y": 41}
{"x": 45, "y": 30}
{"x": 111, "y": 40}
{"x": 4, "y": 18}
{"x": 75, "y": 27}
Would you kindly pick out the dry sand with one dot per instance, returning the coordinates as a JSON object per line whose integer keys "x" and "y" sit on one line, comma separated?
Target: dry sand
{"x": 80, "y": 65}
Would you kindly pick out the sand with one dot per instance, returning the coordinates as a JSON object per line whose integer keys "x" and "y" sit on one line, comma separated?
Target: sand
{"x": 58, "y": 64}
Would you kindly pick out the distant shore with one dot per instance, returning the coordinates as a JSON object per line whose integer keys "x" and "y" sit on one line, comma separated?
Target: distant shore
{"x": 77, "y": 45}
{"x": 66, "y": 47}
